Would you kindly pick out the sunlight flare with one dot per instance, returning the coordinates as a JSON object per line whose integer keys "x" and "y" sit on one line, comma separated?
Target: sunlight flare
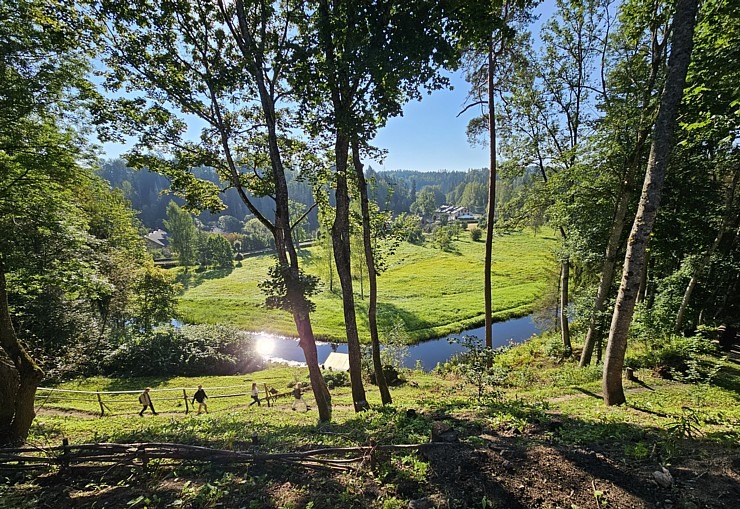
{"x": 265, "y": 344}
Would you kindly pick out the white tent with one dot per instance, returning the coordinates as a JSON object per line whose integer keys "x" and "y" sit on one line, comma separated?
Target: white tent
{"x": 337, "y": 362}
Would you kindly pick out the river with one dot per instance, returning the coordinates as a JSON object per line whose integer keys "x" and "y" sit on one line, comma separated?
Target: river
{"x": 428, "y": 353}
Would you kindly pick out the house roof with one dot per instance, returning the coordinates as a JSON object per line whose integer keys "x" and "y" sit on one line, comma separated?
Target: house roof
{"x": 158, "y": 237}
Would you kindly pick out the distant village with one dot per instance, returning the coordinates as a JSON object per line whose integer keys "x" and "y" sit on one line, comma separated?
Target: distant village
{"x": 158, "y": 240}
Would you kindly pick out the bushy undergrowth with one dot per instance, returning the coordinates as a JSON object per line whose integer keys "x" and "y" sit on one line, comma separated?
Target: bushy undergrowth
{"x": 188, "y": 351}
{"x": 336, "y": 379}
{"x": 476, "y": 366}
{"x": 673, "y": 356}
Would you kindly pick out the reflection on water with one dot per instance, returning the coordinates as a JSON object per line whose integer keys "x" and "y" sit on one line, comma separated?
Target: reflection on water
{"x": 265, "y": 344}
{"x": 429, "y": 353}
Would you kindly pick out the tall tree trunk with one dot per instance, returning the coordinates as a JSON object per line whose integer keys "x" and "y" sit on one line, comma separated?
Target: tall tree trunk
{"x": 9, "y": 383}
{"x": 594, "y": 335}
{"x": 488, "y": 263}
{"x": 343, "y": 261}
{"x": 594, "y": 332}
{"x": 561, "y": 318}
{"x": 318, "y": 386}
{"x": 564, "y": 296}
{"x": 281, "y": 230}
{"x": 727, "y": 217}
{"x": 15, "y": 424}
{"x": 342, "y": 96}
{"x": 372, "y": 309}
{"x": 684, "y": 20}
{"x": 644, "y": 289}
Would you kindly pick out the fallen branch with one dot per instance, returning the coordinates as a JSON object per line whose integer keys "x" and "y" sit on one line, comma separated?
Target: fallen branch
{"x": 343, "y": 458}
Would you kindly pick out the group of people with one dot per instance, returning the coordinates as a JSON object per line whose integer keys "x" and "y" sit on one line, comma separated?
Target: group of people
{"x": 146, "y": 401}
{"x": 200, "y": 396}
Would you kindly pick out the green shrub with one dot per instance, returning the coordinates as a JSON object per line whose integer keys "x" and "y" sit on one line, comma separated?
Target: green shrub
{"x": 476, "y": 366}
{"x": 676, "y": 357}
{"x": 476, "y": 234}
{"x": 554, "y": 348}
{"x": 188, "y": 351}
{"x": 336, "y": 378}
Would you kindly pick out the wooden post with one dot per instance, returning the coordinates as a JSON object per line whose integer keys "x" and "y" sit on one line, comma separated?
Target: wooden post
{"x": 267, "y": 395}
{"x": 65, "y": 454}
{"x": 144, "y": 459}
{"x": 630, "y": 374}
{"x": 185, "y": 397}
{"x": 100, "y": 402}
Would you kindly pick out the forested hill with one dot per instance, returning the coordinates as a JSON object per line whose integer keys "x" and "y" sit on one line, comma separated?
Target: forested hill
{"x": 395, "y": 190}
{"x": 149, "y": 195}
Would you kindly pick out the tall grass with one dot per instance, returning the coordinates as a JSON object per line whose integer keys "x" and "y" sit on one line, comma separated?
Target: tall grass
{"x": 432, "y": 292}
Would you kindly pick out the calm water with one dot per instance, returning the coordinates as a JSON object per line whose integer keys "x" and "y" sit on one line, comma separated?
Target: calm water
{"x": 282, "y": 349}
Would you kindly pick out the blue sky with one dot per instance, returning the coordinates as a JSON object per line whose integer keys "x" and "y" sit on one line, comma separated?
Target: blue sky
{"x": 428, "y": 137}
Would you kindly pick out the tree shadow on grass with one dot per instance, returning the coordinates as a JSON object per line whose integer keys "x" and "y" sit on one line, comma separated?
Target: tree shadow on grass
{"x": 193, "y": 278}
{"x": 133, "y": 384}
{"x": 588, "y": 393}
{"x": 550, "y": 462}
{"x": 728, "y": 377}
{"x": 616, "y": 458}
{"x": 389, "y": 314}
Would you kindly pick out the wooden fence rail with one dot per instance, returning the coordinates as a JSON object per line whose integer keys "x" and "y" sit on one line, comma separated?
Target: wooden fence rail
{"x": 139, "y": 454}
{"x": 102, "y": 399}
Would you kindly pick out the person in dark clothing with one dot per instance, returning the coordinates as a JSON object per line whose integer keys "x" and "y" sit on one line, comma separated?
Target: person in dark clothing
{"x": 146, "y": 400}
{"x": 201, "y": 397}
{"x": 255, "y": 395}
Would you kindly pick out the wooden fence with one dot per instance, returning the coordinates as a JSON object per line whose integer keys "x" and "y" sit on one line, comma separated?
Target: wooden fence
{"x": 107, "y": 455}
{"x": 69, "y": 399}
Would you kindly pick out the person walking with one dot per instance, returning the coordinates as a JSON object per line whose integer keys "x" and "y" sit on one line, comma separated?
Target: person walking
{"x": 146, "y": 400}
{"x": 200, "y": 396}
{"x": 298, "y": 396}
{"x": 255, "y": 395}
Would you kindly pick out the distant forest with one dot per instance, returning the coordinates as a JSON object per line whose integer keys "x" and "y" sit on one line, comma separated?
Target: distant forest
{"x": 395, "y": 191}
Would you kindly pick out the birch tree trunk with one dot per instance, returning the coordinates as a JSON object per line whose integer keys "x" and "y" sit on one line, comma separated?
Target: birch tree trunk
{"x": 684, "y": 21}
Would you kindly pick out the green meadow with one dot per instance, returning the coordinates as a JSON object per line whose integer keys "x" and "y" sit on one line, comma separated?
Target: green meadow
{"x": 432, "y": 292}
{"x": 533, "y": 384}
{"x": 540, "y": 412}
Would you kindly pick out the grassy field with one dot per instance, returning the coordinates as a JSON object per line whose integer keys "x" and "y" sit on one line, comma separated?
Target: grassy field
{"x": 559, "y": 445}
{"x": 534, "y": 383}
{"x": 434, "y": 293}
